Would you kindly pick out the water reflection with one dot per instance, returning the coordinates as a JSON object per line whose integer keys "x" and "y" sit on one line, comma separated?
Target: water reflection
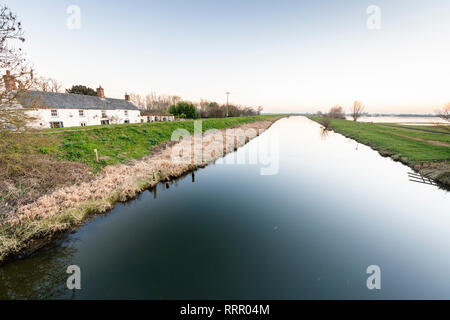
{"x": 308, "y": 232}
{"x": 168, "y": 184}
{"x": 41, "y": 277}
{"x": 417, "y": 177}
{"x": 324, "y": 132}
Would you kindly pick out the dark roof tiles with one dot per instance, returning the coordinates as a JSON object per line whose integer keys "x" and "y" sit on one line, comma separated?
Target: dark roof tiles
{"x": 51, "y": 100}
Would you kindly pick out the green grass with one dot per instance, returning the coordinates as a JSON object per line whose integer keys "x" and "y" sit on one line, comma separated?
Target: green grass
{"x": 414, "y": 133}
{"x": 424, "y": 128}
{"x": 120, "y": 143}
{"x": 395, "y": 141}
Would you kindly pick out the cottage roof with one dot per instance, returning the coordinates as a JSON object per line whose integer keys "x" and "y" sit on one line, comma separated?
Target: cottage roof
{"x": 52, "y": 100}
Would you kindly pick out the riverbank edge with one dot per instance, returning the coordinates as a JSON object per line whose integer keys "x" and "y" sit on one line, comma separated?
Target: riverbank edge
{"x": 28, "y": 237}
{"x": 437, "y": 171}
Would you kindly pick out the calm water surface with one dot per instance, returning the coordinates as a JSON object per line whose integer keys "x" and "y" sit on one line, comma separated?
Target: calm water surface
{"x": 309, "y": 232}
{"x": 402, "y": 120}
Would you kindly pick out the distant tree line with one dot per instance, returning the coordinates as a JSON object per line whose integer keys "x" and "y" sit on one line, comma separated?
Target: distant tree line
{"x": 154, "y": 103}
{"x": 211, "y": 109}
{"x": 173, "y": 104}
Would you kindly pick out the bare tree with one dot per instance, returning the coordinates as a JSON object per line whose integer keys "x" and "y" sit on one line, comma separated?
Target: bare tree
{"x": 326, "y": 122}
{"x": 160, "y": 103}
{"x": 16, "y": 146}
{"x": 138, "y": 100}
{"x": 210, "y": 109}
{"x": 155, "y": 103}
{"x": 47, "y": 84}
{"x": 259, "y": 110}
{"x": 55, "y": 85}
{"x": 17, "y": 76}
{"x": 444, "y": 113}
{"x": 357, "y": 110}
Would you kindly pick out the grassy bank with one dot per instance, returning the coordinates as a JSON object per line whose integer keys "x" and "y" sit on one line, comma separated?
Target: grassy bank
{"x": 120, "y": 143}
{"x": 31, "y": 164}
{"x": 425, "y": 149}
{"x": 68, "y": 206}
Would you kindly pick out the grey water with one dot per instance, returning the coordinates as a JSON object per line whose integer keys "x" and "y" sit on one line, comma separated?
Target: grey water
{"x": 309, "y": 231}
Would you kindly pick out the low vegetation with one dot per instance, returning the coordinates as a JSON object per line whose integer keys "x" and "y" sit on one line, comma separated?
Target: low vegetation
{"x": 336, "y": 112}
{"x": 184, "y": 110}
{"x": 120, "y": 143}
{"x": 425, "y": 149}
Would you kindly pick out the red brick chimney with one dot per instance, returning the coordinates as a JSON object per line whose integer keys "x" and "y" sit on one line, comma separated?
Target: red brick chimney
{"x": 10, "y": 83}
{"x": 127, "y": 97}
{"x": 101, "y": 92}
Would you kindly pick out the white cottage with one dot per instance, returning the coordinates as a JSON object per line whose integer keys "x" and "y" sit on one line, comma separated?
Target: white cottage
{"x": 57, "y": 110}
{"x": 157, "y": 117}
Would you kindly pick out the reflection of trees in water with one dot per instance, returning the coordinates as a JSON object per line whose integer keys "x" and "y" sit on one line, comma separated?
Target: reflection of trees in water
{"x": 42, "y": 276}
{"x": 324, "y": 132}
{"x": 173, "y": 182}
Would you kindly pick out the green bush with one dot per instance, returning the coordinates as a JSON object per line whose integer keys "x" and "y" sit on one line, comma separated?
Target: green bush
{"x": 188, "y": 110}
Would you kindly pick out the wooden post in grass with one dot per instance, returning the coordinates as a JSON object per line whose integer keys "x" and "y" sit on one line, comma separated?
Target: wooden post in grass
{"x": 96, "y": 155}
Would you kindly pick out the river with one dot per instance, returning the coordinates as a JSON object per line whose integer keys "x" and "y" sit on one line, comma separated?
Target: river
{"x": 310, "y": 231}
{"x": 403, "y": 120}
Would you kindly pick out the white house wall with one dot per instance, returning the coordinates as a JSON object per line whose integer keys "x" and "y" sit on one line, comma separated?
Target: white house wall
{"x": 72, "y": 118}
{"x": 156, "y": 118}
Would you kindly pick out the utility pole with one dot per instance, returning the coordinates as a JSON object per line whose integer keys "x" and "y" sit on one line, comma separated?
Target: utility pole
{"x": 228, "y": 93}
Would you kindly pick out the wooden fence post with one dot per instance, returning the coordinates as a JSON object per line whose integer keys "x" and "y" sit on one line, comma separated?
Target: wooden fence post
{"x": 96, "y": 154}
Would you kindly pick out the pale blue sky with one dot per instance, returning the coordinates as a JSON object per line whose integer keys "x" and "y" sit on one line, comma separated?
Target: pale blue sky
{"x": 283, "y": 55}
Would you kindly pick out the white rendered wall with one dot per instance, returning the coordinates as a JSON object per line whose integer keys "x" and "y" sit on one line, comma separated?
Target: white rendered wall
{"x": 72, "y": 118}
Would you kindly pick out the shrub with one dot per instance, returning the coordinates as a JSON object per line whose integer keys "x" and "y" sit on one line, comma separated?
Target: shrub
{"x": 326, "y": 122}
{"x": 188, "y": 109}
{"x": 336, "y": 112}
